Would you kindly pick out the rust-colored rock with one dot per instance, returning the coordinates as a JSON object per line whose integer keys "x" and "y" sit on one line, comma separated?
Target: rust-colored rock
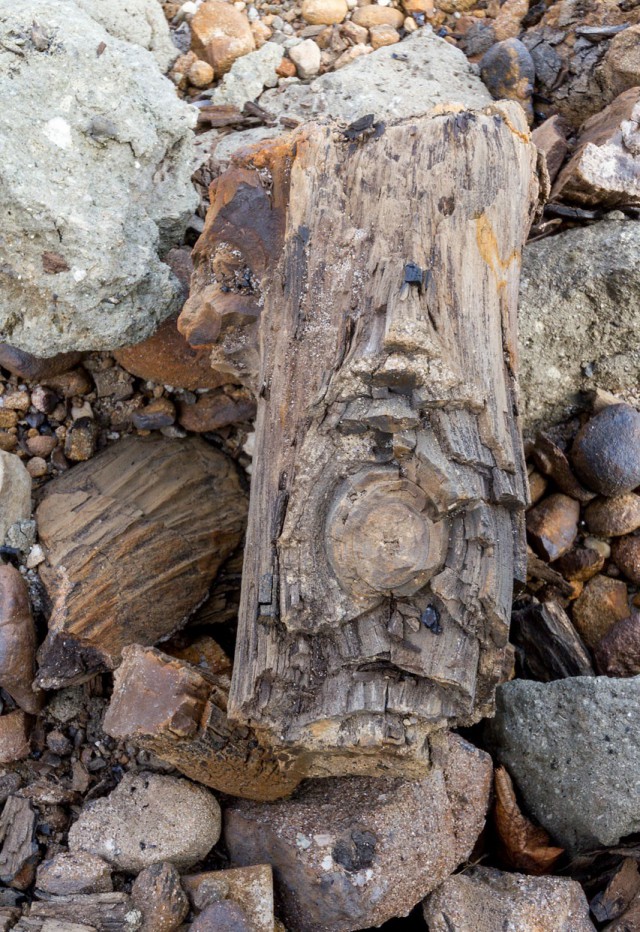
{"x": 36, "y": 368}
{"x": 133, "y": 540}
{"x": 521, "y": 845}
{"x": 603, "y": 602}
{"x": 17, "y": 640}
{"x": 618, "y": 652}
{"x": 551, "y": 461}
{"x": 220, "y": 34}
{"x": 614, "y": 517}
{"x": 14, "y": 736}
{"x": 251, "y": 888}
{"x": 178, "y": 711}
{"x": 619, "y": 894}
{"x": 167, "y": 358}
{"x": 216, "y": 410}
{"x": 552, "y": 526}
{"x": 484, "y": 900}
{"x": 158, "y": 894}
{"x": 606, "y": 451}
{"x": 550, "y": 138}
{"x": 537, "y": 486}
{"x": 349, "y": 853}
{"x": 604, "y": 170}
{"x": 580, "y": 564}
{"x": 625, "y": 553}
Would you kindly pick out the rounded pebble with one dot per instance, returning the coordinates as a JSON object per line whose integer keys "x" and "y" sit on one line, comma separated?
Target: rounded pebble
{"x": 606, "y": 451}
{"x": 625, "y": 553}
{"x": 324, "y": 12}
{"x": 613, "y": 517}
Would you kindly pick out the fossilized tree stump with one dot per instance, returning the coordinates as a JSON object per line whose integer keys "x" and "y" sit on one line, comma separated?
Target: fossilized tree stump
{"x": 364, "y": 283}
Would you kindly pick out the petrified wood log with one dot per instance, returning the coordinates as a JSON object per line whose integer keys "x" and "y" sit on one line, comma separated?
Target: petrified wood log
{"x": 17, "y": 640}
{"x": 179, "y": 712}
{"x": 18, "y": 851}
{"x": 133, "y": 540}
{"x": 365, "y": 282}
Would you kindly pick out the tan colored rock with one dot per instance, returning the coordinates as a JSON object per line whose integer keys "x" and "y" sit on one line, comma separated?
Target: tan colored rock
{"x": 17, "y": 640}
{"x": 620, "y": 68}
{"x": 419, "y": 6}
{"x": 200, "y": 74}
{"x": 604, "y": 170}
{"x": 483, "y": 900}
{"x": 324, "y": 12}
{"x": 133, "y": 540}
{"x": 14, "y": 736}
{"x": 158, "y": 894}
{"x": 353, "y": 852}
{"x": 375, "y": 15}
{"x": 15, "y": 492}
{"x": 602, "y": 603}
{"x": 614, "y": 517}
{"x": 552, "y": 525}
{"x": 306, "y": 57}
{"x": 383, "y": 35}
{"x": 251, "y": 888}
{"x": 506, "y": 24}
{"x": 149, "y": 818}
{"x": 70, "y": 873}
{"x": 220, "y": 34}
{"x": 550, "y": 138}
{"x": 355, "y": 34}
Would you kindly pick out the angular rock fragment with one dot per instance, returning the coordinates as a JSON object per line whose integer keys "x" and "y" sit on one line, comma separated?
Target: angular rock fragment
{"x": 118, "y": 182}
{"x": 220, "y": 34}
{"x": 620, "y": 67}
{"x": 133, "y": 540}
{"x": 618, "y": 652}
{"x": 178, "y": 711}
{"x": 485, "y": 899}
{"x": 548, "y": 646}
{"x": 552, "y": 525}
{"x": 551, "y": 139}
{"x": 604, "y": 170}
{"x": 15, "y": 492}
{"x": 620, "y": 892}
{"x": 18, "y": 849}
{"x": 15, "y": 728}
{"x": 251, "y": 888}
{"x": 606, "y": 451}
{"x": 348, "y": 853}
{"x": 69, "y": 873}
{"x": 17, "y": 640}
{"x": 248, "y": 77}
{"x": 149, "y": 818}
{"x": 551, "y": 461}
{"x": 158, "y": 894}
{"x": 602, "y": 603}
{"x": 573, "y": 749}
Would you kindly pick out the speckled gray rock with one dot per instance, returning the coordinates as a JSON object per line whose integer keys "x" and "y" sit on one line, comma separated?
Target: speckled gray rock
{"x": 139, "y": 21}
{"x": 96, "y": 156}
{"x": 392, "y": 82}
{"x": 572, "y": 747}
{"x": 484, "y": 900}
{"x": 248, "y": 77}
{"x": 579, "y": 319}
{"x": 149, "y": 818}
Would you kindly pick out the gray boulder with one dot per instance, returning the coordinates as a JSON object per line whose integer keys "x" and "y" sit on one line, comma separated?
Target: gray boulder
{"x": 579, "y": 319}
{"x": 572, "y": 747}
{"x": 393, "y": 82}
{"x": 139, "y": 21}
{"x": 96, "y": 156}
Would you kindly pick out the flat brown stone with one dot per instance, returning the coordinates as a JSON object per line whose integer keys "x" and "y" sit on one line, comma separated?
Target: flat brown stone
{"x": 552, "y": 525}
{"x": 550, "y": 137}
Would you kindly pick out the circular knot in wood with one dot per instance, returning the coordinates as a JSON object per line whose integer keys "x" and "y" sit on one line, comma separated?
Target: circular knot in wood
{"x": 380, "y": 539}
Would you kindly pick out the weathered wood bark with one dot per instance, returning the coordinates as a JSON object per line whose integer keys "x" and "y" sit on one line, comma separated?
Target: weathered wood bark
{"x": 105, "y": 912}
{"x": 377, "y": 275}
{"x": 19, "y": 851}
{"x": 178, "y": 711}
{"x": 133, "y": 540}
{"x": 549, "y": 647}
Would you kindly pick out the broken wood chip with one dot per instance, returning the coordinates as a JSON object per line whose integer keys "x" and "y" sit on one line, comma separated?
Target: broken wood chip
{"x": 523, "y": 845}
{"x": 620, "y": 893}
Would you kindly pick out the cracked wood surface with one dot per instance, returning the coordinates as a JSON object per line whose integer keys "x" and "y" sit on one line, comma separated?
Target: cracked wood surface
{"x": 377, "y": 283}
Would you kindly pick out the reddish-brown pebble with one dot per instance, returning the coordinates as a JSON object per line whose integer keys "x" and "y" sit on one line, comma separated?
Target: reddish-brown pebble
{"x": 618, "y": 652}
{"x": 580, "y": 564}
{"x": 286, "y": 69}
{"x": 37, "y": 467}
{"x": 41, "y": 445}
{"x": 603, "y": 602}
{"x": 613, "y": 517}
{"x": 216, "y": 410}
{"x": 625, "y": 552}
{"x": 8, "y": 442}
{"x": 156, "y": 415}
{"x": 220, "y": 34}
{"x": 552, "y": 526}
{"x": 537, "y": 486}
{"x": 35, "y": 367}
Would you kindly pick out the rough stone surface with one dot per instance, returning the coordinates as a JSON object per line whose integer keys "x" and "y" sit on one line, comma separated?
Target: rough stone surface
{"x": 626, "y": 556}
{"x": 621, "y": 65}
{"x": 429, "y": 72}
{"x": 601, "y": 604}
{"x": 618, "y": 653}
{"x": 606, "y": 451}
{"x": 220, "y": 34}
{"x": 69, "y": 873}
{"x": 249, "y": 76}
{"x": 15, "y": 492}
{"x": 613, "y": 517}
{"x": 350, "y": 853}
{"x": 572, "y": 747}
{"x": 141, "y": 22}
{"x": 508, "y": 71}
{"x": 107, "y": 186}
{"x": 250, "y": 887}
{"x": 158, "y": 894}
{"x": 579, "y": 318}
{"x": 149, "y": 818}
{"x": 485, "y": 900}
{"x": 604, "y": 170}
{"x": 14, "y": 736}
{"x": 550, "y": 138}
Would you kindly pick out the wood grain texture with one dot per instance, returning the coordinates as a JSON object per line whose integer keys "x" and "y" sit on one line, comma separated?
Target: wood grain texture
{"x": 388, "y": 487}
{"x": 179, "y": 712}
{"x": 133, "y": 540}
